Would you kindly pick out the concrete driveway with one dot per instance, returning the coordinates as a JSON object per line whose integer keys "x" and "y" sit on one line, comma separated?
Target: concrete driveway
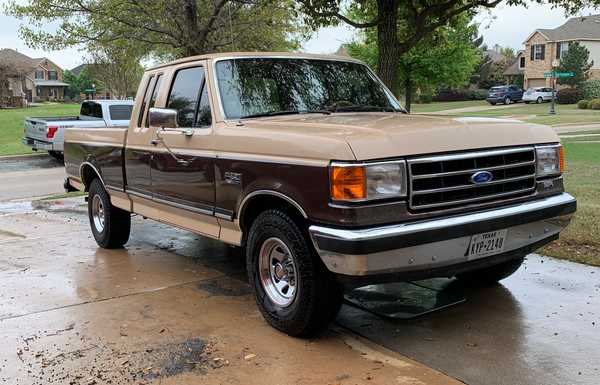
{"x": 32, "y": 175}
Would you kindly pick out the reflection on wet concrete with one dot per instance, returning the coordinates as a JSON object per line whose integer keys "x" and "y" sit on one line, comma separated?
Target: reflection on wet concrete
{"x": 538, "y": 327}
{"x": 28, "y": 163}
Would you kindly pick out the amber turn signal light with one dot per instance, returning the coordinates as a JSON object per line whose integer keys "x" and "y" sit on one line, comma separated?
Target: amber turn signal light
{"x": 561, "y": 158}
{"x": 348, "y": 183}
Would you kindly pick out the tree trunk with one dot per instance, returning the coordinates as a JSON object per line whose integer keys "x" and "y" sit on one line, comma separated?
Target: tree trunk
{"x": 387, "y": 41}
{"x": 193, "y": 45}
{"x": 408, "y": 89}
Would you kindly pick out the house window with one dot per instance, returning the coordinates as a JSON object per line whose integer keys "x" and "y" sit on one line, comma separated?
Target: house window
{"x": 538, "y": 52}
{"x": 52, "y": 75}
{"x": 39, "y": 75}
{"x": 522, "y": 62}
{"x": 561, "y": 50}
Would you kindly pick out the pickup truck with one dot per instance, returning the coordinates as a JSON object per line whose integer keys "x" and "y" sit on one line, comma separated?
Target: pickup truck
{"x": 47, "y": 133}
{"x": 311, "y": 165}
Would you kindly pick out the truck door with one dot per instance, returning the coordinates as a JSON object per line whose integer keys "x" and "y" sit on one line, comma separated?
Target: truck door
{"x": 183, "y": 161}
{"x": 138, "y": 151}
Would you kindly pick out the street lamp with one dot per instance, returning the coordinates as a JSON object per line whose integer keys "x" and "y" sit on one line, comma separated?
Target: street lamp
{"x": 94, "y": 91}
{"x": 553, "y": 80}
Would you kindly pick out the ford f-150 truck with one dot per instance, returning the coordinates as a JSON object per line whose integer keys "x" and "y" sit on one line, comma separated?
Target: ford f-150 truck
{"x": 47, "y": 133}
{"x": 313, "y": 167}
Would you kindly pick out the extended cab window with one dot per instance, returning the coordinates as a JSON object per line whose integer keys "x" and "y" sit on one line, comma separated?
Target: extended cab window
{"x": 120, "y": 112}
{"x": 153, "y": 97}
{"x": 189, "y": 97}
{"x": 145, "y": 100}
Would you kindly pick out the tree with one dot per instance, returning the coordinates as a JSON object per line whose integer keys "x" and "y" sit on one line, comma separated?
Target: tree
{"x": 576, "y": 60}
{"x": 445, "y": 59}
{"x": 402, "y": 24}
{"x": 117, "y": 69}
{"x": 171, "y": 28}
{"x": 77, "y": 83}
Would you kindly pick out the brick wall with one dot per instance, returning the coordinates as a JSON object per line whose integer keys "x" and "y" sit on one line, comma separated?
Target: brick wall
{"x": 534, "y": 69}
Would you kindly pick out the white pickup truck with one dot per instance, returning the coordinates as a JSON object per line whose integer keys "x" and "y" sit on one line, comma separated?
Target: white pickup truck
{"x": 47, "y": 133}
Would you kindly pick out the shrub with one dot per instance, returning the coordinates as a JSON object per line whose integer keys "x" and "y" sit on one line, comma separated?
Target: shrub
{"x": 425, "y": 98}
{"x": 594, "y": 104}
{"x": 450, "y": 95}
{"x": 479, "y": 94}
{"x": 583, "y": 104}
{"x": 568, "y": 96}
{"x": 591, "y": 89}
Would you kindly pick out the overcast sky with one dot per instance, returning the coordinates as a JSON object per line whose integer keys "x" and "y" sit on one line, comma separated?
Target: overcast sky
{"x": 507, "y": 26}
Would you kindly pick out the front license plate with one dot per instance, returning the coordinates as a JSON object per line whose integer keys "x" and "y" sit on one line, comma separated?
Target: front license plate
{"x": 486, "y": 244}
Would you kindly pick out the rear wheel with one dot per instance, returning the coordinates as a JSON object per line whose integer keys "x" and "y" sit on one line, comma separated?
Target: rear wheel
{"x": 507, "y": 100}
{"x": 294, "y": 291}
{"x": 489, "y": 276}
{"x": 110, "y": 225}
{"x": 57, "y": 155}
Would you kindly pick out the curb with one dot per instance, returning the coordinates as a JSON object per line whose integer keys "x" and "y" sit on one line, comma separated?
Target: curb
{"x": 23, "y": 156}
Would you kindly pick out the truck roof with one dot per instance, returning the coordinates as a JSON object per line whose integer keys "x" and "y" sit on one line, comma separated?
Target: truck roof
{"x": 229, "y": 55}
{"x": 109, "y": 101}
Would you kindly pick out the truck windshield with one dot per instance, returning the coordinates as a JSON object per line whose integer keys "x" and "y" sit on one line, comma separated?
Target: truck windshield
{"x": 252, "y": 87}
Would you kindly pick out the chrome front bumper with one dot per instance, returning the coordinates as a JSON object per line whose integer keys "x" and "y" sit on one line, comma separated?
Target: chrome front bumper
{"x": 440, "y": 242}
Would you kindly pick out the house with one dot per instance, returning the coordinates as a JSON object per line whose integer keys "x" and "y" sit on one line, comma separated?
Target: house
{"x": 35, "y": 80}
{"x": 545, "y": 47}
{"x": 514, "y": 71}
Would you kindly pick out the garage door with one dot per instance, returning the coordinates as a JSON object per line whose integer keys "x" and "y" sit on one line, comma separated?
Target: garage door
{"x": 536, "y": 83}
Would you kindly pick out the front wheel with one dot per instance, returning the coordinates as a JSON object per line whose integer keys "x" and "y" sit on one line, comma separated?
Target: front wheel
{"x": 110, "y": 225}
{"x": 539, "y": 100}
{"x": 294, "y": 291}
{"x": 489, "y": 276}
{"x": 507, "y": 100}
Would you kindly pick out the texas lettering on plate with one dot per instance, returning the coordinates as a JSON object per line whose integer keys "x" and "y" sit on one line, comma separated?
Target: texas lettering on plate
{"x": 486, "y": 244}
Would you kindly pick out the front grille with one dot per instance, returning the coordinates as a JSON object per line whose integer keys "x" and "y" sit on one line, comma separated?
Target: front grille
{"x": 445, "y": 181}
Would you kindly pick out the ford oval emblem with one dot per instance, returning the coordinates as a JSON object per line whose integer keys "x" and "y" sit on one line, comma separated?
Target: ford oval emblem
{"x": 482, "y": 177}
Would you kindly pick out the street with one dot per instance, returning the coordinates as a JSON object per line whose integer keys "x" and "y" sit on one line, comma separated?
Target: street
{"x": 174, "y": 308}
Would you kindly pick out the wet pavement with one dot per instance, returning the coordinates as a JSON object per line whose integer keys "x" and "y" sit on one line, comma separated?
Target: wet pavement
{"x": 175, "y": 308}
{"x": 28, "y": 176}
{"x": 171, "y": 308}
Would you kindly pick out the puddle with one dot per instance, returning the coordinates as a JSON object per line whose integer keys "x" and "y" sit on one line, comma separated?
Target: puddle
{"x": 22, "y": 207}
{"x": 225, "y": 287}
{"x": 15, "y": 207}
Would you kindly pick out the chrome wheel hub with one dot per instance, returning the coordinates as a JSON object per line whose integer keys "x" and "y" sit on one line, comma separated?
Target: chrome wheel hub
{"x": 277, "y": 270}
{"x": 98, "y": 213}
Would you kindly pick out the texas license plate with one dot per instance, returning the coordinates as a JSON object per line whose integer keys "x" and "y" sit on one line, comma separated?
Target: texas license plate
{"x": 486, "y": 244}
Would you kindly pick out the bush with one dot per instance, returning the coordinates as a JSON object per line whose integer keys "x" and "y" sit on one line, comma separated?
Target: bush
{"x": 452, "y": 95}
{"x": 591, "y": 89}
{"x": 594, "y": 104}
{"x": 479, "y": 94}
{"x": 568, "y": 96}
{"x": 583, "y": 104}
{"x": 425, "y": 98}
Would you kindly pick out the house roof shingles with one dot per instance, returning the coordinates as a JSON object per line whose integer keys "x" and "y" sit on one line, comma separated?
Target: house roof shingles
{"x": 16, "y": 61}
{"x": 576, "y": 28}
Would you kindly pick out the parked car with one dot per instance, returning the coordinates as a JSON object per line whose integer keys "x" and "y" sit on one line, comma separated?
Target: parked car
{"x": 311, "y": 165}
{"x": 504, "y": 94}
{"x": 538, "y": 95}
{"x": 47, "y": 133}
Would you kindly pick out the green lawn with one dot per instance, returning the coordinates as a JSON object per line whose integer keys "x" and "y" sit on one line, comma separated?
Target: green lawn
{"x": 442, "y": 106}
{"x": 11, "y": 124}
{"x": 539, "y": 113}
{"x": 581, "y": 241}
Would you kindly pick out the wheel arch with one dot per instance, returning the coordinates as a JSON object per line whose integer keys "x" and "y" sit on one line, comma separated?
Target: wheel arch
{"x": 261, "y": 200}
{"x": 88, "y": 172}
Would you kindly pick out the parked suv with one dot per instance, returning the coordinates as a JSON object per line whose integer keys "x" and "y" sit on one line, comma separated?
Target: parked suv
{"x": 538, "y": 95}
{"x": 504, "y": 94}
{"x": 311, "y": 165}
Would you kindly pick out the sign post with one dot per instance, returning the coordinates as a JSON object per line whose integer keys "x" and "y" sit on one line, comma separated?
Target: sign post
{"x": 553, "y": 75}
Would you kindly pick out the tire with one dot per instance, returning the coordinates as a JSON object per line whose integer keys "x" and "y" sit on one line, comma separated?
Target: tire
{"x": 57, "y": 155}
{"x": 493, "y": 103}
{"x": 490, "y": 276}
{"x": 507, "y": 100}
{"x": 110, "y": 225}
{"x": 539, "y": 100}
{"x": 278, "y": 252}
{"x": 526, "y": 102}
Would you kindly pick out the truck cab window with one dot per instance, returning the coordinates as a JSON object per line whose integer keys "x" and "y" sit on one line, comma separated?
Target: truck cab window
{"x": 184, "y": 97}
{"x": 153, "y": 97}
{"x": 145, "y": 101}
{"x": 120, "y": 112}
{"x": 204, "y": 116}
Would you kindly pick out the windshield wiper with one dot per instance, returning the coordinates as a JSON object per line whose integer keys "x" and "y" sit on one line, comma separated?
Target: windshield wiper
{"x": 286, "y": 112}
{"x": 365, "y": 108}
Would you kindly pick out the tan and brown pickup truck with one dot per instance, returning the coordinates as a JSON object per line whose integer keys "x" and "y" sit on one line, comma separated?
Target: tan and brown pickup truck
{"x": 311, "y": 165}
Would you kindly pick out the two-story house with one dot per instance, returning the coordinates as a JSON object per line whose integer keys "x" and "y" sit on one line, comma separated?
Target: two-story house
{"x": 545, "y": 47}
{"x": 37, "y": 80}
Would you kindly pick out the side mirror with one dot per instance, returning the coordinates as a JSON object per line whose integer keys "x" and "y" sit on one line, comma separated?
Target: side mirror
{"x": 162, "y": 117}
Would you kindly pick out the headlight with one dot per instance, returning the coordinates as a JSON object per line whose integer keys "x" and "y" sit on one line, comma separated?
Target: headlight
{"x": 369, "y": 181}
{"x": 550, "y": 160}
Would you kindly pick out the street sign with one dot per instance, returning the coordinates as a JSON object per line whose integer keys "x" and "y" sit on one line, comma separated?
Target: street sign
{"x": 559, "y": 74}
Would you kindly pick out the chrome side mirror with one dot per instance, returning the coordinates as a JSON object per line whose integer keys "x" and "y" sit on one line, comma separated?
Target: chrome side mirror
{"x": 162, "y": 117}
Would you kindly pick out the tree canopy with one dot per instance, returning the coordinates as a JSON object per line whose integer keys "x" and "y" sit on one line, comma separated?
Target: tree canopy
{"x": 402, "y": 24}
{"x": 171, "y": 28}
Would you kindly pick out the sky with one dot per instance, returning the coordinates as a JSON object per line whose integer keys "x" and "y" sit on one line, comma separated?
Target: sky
{"x": 504, "y": 25}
